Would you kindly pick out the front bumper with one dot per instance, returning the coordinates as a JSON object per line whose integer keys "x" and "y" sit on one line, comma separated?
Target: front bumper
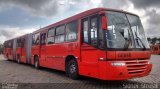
{"x": 120, "y": 72}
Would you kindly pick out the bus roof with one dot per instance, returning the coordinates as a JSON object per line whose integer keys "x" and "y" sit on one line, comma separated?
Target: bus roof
{"x": 80, "y": 15}
{"x": 17, "y": 37}
{"x": 77, "y": 16}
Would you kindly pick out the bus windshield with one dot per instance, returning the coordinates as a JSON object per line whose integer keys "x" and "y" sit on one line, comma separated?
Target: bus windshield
{"x": 125, "y": 31}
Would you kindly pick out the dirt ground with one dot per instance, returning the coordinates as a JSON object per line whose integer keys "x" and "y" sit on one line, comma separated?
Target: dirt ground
{"x": 24, "y": 76}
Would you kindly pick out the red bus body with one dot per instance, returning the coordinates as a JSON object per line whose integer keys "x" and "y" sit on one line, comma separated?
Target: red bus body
{"x": 92, "y": 62}
{"x": 8, "y": 49}
{"x": 23, "y": 48}
{"x": 155, "y": 49}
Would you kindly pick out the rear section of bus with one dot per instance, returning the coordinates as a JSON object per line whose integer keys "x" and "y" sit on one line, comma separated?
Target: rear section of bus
{"x": 8, "y": 49}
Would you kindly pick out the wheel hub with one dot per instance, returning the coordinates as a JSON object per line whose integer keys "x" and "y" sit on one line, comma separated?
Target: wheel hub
{"x": 72, "y": 68}
{"x": 18, "y": 60}
{"x": 36, "y": 64}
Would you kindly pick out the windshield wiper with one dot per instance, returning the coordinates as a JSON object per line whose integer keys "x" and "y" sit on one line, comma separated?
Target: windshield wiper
{"x": 127, "y": 41}
{"x": 137, "y": 38}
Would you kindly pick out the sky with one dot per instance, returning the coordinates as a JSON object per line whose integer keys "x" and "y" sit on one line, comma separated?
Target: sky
{"x": 18, "y": 17}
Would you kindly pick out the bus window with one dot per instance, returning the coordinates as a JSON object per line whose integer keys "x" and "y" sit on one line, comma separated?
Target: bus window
{"x": 93, "y": 31}
{"x": 51, "y": 36}
{"x": 90, "y": 31}
{"x": 71, "y": 31}
{"x": 85, "y": 30}
{"x": 43, "y": 39}
{"x": 10, "y": 44}
{"x": 22, "y": 42}
{"x": 60, "y": 34}
{"x": 19, "y": 42}
{"x": 36, "y": 39}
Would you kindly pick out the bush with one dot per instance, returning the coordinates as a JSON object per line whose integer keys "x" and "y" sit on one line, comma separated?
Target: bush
{"x": 1, "y": 48}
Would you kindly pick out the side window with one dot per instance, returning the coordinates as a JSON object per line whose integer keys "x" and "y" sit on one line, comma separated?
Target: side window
{"x": 43, "y": 39}
{"x": 60, "y": 34}
{"x": 94, "y": 30}
{"x": 90, "y": 30}
{"x": 33, "y": 39}
{"x": 36, "y": 39}
{"x": 51, "y": 36}
{"x": 6, "y": 44}
{"x": 10, "y": 44}
{"x": 71, "y": 31}
{"x": 18, "y": 42}
{"x": 85, "y": 30}
{"x": 22, "y": 42}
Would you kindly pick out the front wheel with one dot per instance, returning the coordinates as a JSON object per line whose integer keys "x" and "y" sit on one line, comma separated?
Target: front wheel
{"x": 72, "y": 69}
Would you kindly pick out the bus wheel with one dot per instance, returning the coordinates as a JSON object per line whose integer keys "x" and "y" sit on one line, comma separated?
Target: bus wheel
{"x": 36, "y": 63}
{"x": 7, "y": 57}
{"x": 18, "y": 60}
{"x": 72, "y": 69}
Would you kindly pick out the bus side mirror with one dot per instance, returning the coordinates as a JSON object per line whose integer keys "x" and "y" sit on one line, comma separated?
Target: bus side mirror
{"x": 104, "y": 22}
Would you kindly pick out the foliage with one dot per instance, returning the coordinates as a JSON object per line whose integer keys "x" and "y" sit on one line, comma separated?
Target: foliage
{"x": 154, "y": 40}
{"x": 1, "y": 48}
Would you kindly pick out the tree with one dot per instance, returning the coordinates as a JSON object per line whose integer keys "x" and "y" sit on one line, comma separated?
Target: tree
{"x": 149, "y": 40}
{"x": 158, "y": 40}
{"x": 154, "y": 40}
{"x": 1, "y": 48}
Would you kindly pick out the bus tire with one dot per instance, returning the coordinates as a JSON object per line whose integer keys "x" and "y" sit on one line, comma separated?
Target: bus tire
{"x": 72, "y": 69}
{"x": 18, "y": 60}
{"x": 36, "y": 62}
{"x": 7, "y": 57}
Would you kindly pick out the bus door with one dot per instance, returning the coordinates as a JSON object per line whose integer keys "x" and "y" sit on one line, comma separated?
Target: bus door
{"x": 35, "y": 45}
{"x": 43, "y": 48}
{"x": 90, "y": 48}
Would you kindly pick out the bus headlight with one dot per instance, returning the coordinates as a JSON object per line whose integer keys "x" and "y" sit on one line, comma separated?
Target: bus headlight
{"x": 149, "y": 62}
{"x": 118, "y": 64}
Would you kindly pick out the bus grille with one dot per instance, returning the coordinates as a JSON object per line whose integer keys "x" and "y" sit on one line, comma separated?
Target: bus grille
{"x": 136, "y": 66}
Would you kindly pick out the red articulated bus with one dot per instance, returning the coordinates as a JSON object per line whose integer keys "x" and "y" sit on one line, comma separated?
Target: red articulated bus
{"x": 101, "y": 43}
{"x": 155, "y": 49}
